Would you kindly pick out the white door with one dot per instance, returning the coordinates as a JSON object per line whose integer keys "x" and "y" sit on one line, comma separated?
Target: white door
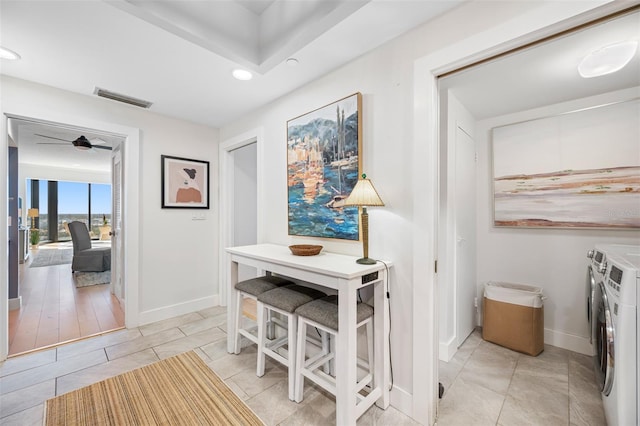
{"x": 117, "y": 252}
{"x": 245, "y": 201}
{"x": 465, "y": 268}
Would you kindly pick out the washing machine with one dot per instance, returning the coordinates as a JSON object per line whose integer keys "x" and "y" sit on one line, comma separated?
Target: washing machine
{"x": 617, "y": 339}
{"x": 595, "y": 272}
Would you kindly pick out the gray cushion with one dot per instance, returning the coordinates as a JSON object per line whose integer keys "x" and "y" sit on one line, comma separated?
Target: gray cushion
{"x": 325, "y": 311}
{"x": 259, "y": 285}
{"x": 289, "y": 298}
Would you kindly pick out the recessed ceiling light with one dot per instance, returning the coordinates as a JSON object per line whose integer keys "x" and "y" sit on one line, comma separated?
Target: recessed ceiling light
{"x": 292, "y": 62}
{"x": 241, "y": 74}
{"x": 8, "y": 54}
{"x": 608, "y": 59}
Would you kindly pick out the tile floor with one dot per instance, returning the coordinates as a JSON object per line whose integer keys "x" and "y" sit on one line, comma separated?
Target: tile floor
{"x": 54, "y": 310}
{"x": 485, "y": 384}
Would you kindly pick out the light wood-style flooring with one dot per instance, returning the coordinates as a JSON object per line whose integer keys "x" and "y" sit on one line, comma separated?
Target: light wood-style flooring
{"x": 55, "y": 311}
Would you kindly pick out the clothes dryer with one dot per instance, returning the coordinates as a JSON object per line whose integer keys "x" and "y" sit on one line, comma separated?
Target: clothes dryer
{"x": 617, "y": 334}
{"x": 596, "y": 267}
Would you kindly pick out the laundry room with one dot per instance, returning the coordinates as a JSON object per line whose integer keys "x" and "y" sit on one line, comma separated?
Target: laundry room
{"x": 542, "y": 132}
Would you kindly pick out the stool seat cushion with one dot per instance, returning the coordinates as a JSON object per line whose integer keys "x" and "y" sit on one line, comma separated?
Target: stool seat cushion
{"x": 290, "y": 297}
{"x": 257, "y": 286}
{"x": 325, "y": 311}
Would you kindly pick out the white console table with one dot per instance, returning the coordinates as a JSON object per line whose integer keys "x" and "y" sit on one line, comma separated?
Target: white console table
{"x": 341, "y": 273}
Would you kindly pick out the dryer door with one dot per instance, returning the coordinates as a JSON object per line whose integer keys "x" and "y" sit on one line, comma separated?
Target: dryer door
{"x": 605, "y": 360}
{"x": 591, "y": 292}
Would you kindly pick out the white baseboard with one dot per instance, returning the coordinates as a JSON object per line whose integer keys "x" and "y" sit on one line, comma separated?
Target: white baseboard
{"x": 568, "y": 341}
{"x": 401, "y": 400}
{"x": 171, "y": 311}
{"x": 447, "y": 349}
{"x": 15, "y": 303}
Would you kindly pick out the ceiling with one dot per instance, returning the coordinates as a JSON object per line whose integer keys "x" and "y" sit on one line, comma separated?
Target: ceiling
{"x": 179, "y": 55}
{"x": 546, "y": 73}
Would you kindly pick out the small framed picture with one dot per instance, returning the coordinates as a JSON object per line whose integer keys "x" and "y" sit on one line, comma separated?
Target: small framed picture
{"x": 185, "y": 183}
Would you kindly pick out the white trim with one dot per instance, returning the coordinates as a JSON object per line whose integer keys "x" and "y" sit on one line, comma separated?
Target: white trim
{"x": 171, "y": 311}
{"x": 549, "y": 18}
{"x": 570, "y": 342}
{"x": 226, "y": 223}
{"x": 400, "y": 399}
{"x": 15, "y": 303}
{"x": 131, "y": 214}
{"x": 448, "y": 349}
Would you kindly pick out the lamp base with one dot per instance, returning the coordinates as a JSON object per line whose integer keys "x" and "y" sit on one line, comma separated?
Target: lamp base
{"x": 366, "y": 261}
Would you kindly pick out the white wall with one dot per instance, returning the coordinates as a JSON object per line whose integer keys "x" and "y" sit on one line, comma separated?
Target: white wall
{"x": 554, "y": 259}
{"x": 177, "y": 255}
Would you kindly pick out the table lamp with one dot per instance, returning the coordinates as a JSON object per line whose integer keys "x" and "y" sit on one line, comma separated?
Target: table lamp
{"x": 363, "y": 195}
{"x": 32, "y": 213}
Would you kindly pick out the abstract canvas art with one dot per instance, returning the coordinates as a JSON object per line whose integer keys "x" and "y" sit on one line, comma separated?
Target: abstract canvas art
{"x": 185, "y": 183}
{"x": 575, "y": 170}
{"x": 324, "y": 151}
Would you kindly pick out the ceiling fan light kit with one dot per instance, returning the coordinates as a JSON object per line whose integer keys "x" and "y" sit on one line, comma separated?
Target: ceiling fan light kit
{"x": 607, "y": 59}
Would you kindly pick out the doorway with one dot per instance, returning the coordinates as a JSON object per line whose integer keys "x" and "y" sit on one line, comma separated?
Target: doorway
{"x": 56, "y": 305}
{"x": 240, "y": 189}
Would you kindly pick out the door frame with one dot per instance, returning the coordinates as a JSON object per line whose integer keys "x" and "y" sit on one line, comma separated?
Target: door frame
{"x": 226, "y": 224}
{"x": 131, "y": 204}
{"x": 550, "y": 18}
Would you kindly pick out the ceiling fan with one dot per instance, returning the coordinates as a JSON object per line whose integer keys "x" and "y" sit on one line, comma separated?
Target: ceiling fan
{"x": 82, "y": 143}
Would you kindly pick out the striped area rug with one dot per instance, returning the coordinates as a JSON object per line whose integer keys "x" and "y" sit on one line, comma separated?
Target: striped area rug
{"x": 181, "y": 390}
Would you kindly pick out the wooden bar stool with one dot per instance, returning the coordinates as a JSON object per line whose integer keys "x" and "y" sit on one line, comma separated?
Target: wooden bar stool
{"x": 323, "y": 314}
{"x": 251, "y": 289}
{"x": 284, "y": 301}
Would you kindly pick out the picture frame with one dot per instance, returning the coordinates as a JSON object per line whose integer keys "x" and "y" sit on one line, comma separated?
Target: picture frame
{"x": 184, "y": 183}
{"x": 577, "y": 170}
{"x": 324, "y": 161}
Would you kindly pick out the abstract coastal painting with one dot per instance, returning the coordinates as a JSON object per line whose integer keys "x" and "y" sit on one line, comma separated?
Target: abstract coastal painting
{"x": 324, "y": 151}
{"x": 185, "y": 183}
{"x": 575, "y": 170}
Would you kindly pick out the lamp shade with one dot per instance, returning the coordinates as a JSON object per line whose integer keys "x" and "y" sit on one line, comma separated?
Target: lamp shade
{"x": 364, "y": 194}
{"x": 32, "y": 213}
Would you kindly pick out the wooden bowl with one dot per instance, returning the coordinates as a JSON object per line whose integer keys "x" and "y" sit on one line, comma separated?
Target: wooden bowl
{"x": 305, "y": 249}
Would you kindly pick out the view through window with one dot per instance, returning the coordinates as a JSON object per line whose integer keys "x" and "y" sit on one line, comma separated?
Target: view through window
{"x": 73, "y": 201}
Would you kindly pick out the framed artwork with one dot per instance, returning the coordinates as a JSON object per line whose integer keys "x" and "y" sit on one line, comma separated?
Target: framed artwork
{"x": 576, "y": 170}
{"x": 185, "y": 183}
{"x": 324, "y": 155}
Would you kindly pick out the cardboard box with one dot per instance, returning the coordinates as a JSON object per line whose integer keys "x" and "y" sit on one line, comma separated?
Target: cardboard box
{"x": 514, "y": 317}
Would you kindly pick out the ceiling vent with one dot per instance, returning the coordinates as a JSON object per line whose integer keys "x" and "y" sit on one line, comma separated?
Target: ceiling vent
{"x": 122, "y": 98}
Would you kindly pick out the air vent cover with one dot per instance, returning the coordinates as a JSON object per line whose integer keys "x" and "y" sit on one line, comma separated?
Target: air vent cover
{"x": 121, "y": 98}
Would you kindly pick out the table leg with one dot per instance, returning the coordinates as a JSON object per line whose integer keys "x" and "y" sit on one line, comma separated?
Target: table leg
{"x": 232, "y": 305}
{"x": 346, "y": 374}
{"x": 381, "y": 332}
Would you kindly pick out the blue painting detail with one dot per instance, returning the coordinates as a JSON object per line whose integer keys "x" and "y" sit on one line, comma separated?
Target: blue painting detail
{"x": 322, "y": 169}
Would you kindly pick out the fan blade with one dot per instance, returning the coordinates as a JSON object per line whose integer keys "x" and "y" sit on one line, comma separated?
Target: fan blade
{"x": 101, "y": 147}
{"x": 51, "y": 137}
{"x": 51, "y": 143}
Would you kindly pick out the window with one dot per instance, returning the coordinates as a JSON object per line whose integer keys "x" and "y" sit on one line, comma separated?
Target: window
{"x": 72, "y": 201}
{"x": 73, "y": 204}
{"x": 100, "y": 206}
